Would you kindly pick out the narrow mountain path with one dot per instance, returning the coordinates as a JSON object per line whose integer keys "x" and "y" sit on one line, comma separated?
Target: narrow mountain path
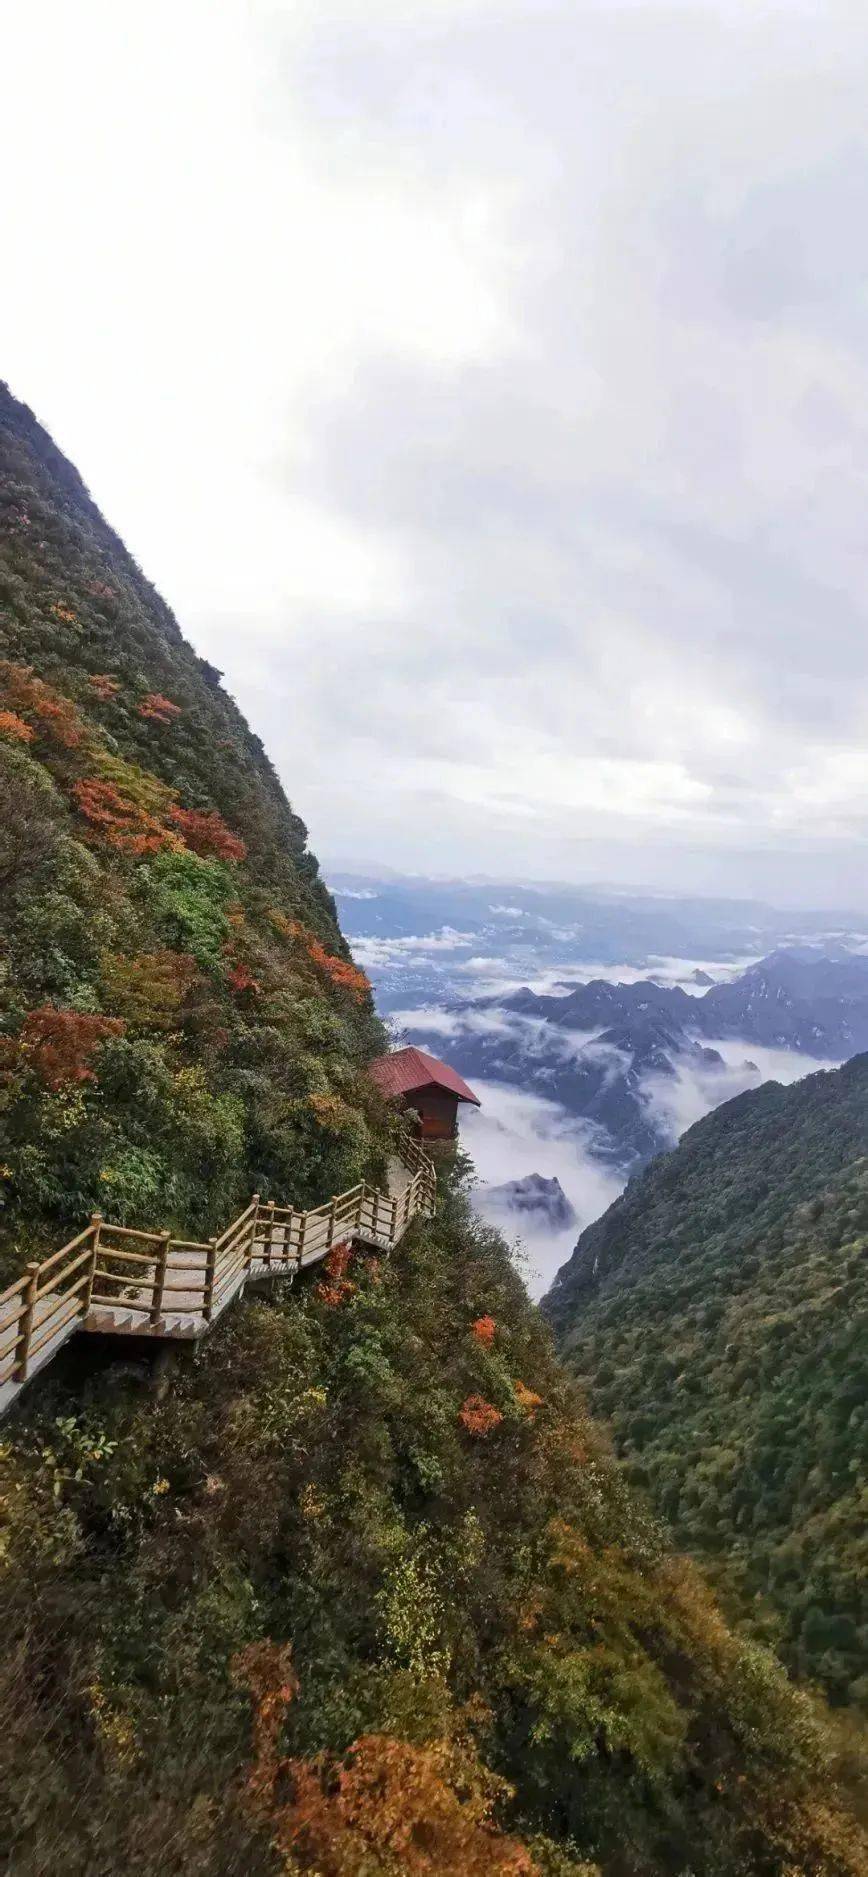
{"x": 117, "y": 1281}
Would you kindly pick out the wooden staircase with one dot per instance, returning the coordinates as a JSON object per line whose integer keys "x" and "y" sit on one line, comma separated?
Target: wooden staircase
{"x": 112, "y": 1280}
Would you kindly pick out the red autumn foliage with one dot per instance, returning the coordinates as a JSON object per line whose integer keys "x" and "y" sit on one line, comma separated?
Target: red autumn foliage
{"x": 426, "y": 1811}
{"x": 123, "y": 823}
{"x": 159, "y": 708}
{"x": 54, "y": 716}
{"x": 207, "y": 834}
{"x": 478, "y": 1416}
{"x": 104, "y": 686}
{"x": 14, "y": 728}
{"x": 484, "y": 1330}
{"x": 59, "y": 1044}
{"x": 239, "y": 979}
{"x": 266, "y": 1671}
{"x": 339, "y": 1287}
{"x": 339, "y": 971}
{"x": 339, "y": 1259}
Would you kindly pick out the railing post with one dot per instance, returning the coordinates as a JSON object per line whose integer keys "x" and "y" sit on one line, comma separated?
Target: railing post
{"x": 301, "y": 1232}
{"x": 394, "y": 1222}
{"x": 159, "y": 1278}
{"x": 96, "y": 1223}
{"x": 210, "y": 1265}
{"x": 269, "y": 1243}
{"x": 22, "y": 1346}
{"x": 330, "y": 1233}
{"x": 254, "y": 1228}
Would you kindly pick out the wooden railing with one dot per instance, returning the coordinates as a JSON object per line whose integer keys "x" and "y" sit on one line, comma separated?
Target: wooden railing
{"x": 116, "y": 1280}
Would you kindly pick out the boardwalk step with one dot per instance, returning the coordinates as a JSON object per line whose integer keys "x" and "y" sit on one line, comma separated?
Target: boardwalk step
{"x": 115, "y": 1280}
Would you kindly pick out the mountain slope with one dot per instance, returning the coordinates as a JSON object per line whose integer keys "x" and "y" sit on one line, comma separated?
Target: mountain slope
{"x": 718, "y": 1314}
{"x": 180, "y": 1022}
{"x": 358, "y": 1590}
{"x": 393, "y": 1477}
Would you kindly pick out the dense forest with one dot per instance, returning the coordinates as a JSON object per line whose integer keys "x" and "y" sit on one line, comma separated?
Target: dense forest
{"x": 356, "y": 1588}
{"x": 718, "y": 1316}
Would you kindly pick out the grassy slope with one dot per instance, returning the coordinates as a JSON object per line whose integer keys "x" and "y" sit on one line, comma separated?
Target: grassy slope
{"x": 724, "y": 1334}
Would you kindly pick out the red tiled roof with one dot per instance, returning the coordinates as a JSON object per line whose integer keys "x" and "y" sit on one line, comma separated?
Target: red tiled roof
{"x": 405, "y": 1071}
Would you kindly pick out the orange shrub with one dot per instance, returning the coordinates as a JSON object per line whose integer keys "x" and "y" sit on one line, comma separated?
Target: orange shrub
{"x": 14, "y": 728}
{"x": 390, "y": 1805}
{"x": 55, "y": 716}
{"x": 426, "y": 1811}
{"x": 207, "y": 834}
{"x": 478, "y": 1416}
{"x": 339, "y": 971}
{"x": 484, "y": 1330}
{"x": 104, "y": 686}
{"x": 159, "y": 708}
{"x": 59, "y": 1044}
{"x": 123, "y": 823}
{"x": 527, "y": 1400}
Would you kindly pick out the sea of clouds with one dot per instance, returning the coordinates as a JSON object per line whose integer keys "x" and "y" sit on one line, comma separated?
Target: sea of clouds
{"x": 518, "y": 1130}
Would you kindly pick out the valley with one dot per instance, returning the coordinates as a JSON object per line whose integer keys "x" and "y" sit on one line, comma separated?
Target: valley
{"x": 599, "y": 1027}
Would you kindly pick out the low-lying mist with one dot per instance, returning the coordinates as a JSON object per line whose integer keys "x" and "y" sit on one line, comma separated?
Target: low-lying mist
{"x": 515, "y": 1133}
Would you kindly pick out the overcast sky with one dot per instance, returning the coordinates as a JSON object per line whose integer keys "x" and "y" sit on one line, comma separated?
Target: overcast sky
{"x": 485, "y": 385}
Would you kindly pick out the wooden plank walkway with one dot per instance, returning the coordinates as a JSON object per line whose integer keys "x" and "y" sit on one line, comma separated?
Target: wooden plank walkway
{"x": 112, "y": 1280}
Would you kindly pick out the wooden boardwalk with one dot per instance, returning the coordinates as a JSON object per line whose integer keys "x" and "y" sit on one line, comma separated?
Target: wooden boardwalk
{"x": 112, "y": 1280}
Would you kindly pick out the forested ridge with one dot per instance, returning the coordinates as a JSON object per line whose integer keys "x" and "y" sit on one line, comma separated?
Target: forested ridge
{"x": 180, "y": 1021}
{"x": 718, "y": 1316}
{"x": 359, "y": 1590}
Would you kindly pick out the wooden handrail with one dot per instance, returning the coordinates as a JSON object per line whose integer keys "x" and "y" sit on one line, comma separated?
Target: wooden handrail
{"x": 117, "y": 1288}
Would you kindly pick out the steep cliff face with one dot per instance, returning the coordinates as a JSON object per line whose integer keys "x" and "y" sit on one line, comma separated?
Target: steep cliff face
{"x": 362, "y": 1593}
{"x": 180, "y": 1022}
{"x": 718, "y": 1314}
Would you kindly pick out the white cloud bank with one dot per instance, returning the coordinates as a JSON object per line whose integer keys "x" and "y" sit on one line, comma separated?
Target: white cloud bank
{"x": 515, "y": 1133}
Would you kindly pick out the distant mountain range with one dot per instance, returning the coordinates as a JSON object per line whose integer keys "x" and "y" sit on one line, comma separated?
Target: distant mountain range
{"x": 794, "y": 999}
{"x": 602, "y": 1049}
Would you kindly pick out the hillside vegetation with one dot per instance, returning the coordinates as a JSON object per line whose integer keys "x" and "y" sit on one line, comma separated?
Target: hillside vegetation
{"x": 365, "y": 1594}
{"x": 180, "y": 1021}
{"x": 718, "y": 1315}
{"x": 357, "y": 1590}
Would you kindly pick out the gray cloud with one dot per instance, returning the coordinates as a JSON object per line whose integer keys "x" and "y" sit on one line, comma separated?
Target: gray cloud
{"x": 539, "y": 482}
{"x": 636, "y": 536}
